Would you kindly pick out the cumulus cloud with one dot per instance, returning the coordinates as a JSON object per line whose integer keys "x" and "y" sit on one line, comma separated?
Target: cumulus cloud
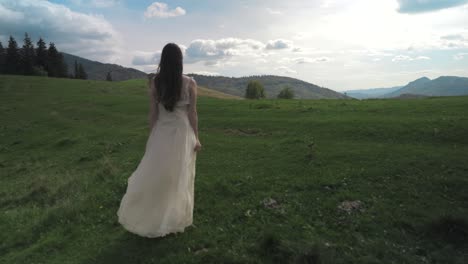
{"x": 279, "y": 44}
{"x": 220, "y": 52}
{"x": 161, "y": 10}
{"x": 85, "y": 35}
{"x": 420, "y": 6}
{"x": 207, "y": 49}
{"x": 409, "y": 58}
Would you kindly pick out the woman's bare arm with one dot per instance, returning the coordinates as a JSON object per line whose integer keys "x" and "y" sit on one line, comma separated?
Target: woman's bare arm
{"x": 192, "y": 112}
{"x": 153, "y": 109}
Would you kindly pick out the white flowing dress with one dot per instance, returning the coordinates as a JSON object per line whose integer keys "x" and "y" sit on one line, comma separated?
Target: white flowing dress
{"x": 160, "y": 193}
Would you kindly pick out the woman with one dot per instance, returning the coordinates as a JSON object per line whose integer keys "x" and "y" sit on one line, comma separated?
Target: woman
{"x": 159, "y": 198}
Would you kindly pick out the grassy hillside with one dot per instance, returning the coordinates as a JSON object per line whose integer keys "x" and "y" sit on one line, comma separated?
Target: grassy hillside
{"x": 202, "y": 91}
{"x": 273, "y": 85}
{"x": 294, "y": 181}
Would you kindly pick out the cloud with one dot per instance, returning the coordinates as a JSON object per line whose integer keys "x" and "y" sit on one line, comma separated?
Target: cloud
{"x": 328, "y": 3}
{"x": 420, "y": 6}
{"x": 286, "y": 70}
{"x": 409, "y": 58}
{"x": 453, "y": 37}
{"x": 161, "y": 10}
{"x": 273, "y": 12}
{"x": 207, "y": 73}
{"x": 422, "y": 58}
{"x": 97, "y": 3}
{"x": 460, "y": 56}
{"x": 90, "y": 36}
{"x": 279, "y": 44}
{"x": 146, "y": 58}
{"x": 10, "y": 16}
{"x": 303, "y": 60}
{"x": 104, "y": 3}
{"x": 402, "y": 58}
{"x": 321, "y": 59}
{"x": 453, "y": 41}
{"x": 210, "y": 50}
{"x": 221, "y": 52}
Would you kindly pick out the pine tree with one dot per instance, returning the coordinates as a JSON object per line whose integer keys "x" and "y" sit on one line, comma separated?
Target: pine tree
{"x": 109, "y": 77}
{"x": 81, "y": 72}
{"x": 62, "y": 66}
{"x": 53, "y": 63}
{"x": 12, "y": 65}
{"x": 41, "y": 54}
{"x": 27, "y": 56}
{"x": 2, "y": 58}
{"x": 76, "y": 76}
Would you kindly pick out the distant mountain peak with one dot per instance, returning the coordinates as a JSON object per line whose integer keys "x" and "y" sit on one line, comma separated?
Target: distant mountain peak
{"x": 441, "y": 86}
{"x": 422, "y": 79}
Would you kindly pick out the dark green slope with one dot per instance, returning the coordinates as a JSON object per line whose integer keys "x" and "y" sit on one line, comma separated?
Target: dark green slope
{"x": 98, "y": 71}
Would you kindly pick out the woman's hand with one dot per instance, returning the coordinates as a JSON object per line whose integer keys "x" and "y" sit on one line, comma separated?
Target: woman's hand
{"x": 197, "y": 146}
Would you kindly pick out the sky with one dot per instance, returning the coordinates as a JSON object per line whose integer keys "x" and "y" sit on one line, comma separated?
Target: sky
{"x": 338, "y": 44}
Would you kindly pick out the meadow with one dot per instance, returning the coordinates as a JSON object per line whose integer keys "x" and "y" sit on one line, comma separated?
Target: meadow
{"x": 277, "y": 181}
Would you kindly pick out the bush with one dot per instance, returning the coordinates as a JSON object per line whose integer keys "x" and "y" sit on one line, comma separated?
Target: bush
{"x": 39, "y": 71}
{"x": 255, "y": 90}
{"x": 286, "y": 93}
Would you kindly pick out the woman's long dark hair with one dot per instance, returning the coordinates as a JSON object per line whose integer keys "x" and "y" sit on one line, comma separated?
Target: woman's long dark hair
{"x": 168, "y": 80}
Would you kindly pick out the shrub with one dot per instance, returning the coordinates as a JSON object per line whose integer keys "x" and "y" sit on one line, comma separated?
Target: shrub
{"x": 255, "y": 90}
{"x": 286, "y": 93}
{"x": 39, "y": 71}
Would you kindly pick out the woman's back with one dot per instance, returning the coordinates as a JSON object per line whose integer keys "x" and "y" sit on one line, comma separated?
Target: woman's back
{"x": 181, "y": 107}
{"x": 159, "y": 197}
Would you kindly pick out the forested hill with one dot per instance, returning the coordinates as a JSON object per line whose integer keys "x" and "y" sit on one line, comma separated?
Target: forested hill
{"x": 442, "y": 86}
{"x": 98, "y": 71}
{"x": 273, "y": 85}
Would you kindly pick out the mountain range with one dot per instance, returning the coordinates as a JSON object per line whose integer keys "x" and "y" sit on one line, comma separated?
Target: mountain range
{"x": 228, "y": 85}
{"x": 442, "y": 86}
{"x": 371, "y": 93}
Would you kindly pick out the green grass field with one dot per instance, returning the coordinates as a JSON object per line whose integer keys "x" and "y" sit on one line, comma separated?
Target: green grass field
{"x": 67, "y": 148}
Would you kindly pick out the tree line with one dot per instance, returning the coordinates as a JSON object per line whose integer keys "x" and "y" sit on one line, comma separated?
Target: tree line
{"x": 39, "y": 61}
{"x": 255, "y": 90}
